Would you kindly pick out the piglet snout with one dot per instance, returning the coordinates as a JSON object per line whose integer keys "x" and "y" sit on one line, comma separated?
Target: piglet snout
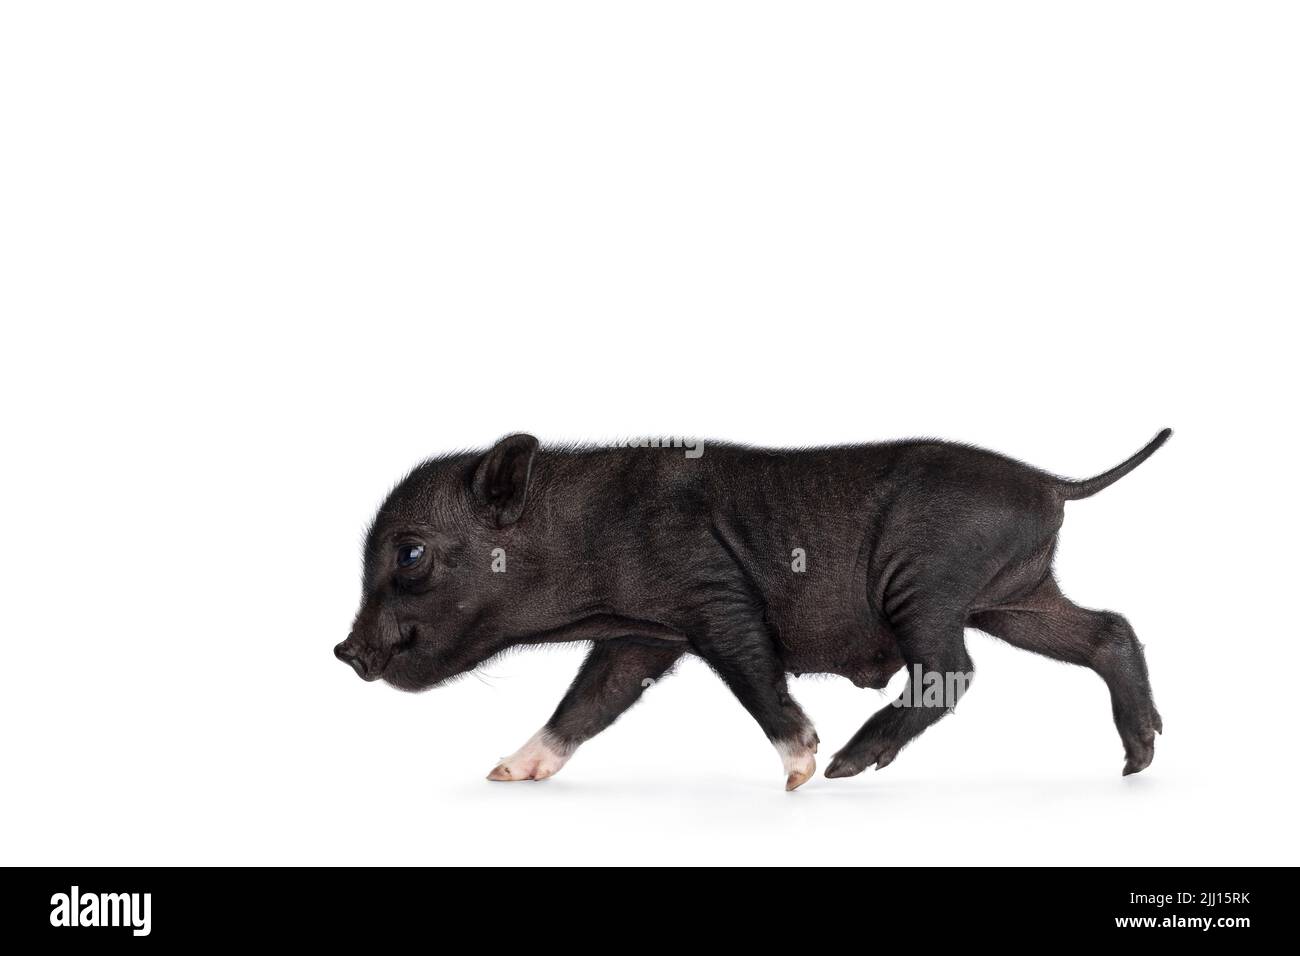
{"x": 348, "y": 655}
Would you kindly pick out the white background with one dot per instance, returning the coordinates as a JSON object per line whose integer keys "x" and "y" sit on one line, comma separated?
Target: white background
{"x": 260, "y": 258}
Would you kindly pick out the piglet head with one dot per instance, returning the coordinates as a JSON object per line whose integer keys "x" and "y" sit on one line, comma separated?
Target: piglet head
{"x": 431, "y": 607}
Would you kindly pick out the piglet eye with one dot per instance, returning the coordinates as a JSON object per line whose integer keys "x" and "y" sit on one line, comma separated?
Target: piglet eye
{"x": 409, "y": 554}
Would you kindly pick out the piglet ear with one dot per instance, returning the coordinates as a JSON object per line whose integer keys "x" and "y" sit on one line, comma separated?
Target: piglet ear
{"x": 500, "y": 485}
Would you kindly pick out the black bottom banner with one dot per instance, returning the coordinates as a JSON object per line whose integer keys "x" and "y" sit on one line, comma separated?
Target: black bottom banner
{"x": 136, "y": 907}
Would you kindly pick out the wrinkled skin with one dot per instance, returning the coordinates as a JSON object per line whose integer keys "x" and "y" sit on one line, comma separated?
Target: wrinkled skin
{"x": 651, "y": 554}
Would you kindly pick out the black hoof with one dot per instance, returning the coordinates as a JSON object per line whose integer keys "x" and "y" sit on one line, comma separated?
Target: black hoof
{"x": 843, "y": 767}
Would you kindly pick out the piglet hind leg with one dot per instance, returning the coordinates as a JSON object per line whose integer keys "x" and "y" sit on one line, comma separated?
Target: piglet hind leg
{"x": 613, "y": 677}
{"x": 1048, "y": 623}
{"x": 938, "y": 650}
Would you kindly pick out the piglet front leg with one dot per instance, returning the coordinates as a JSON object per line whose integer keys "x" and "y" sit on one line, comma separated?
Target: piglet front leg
{"x": 612, "y": 678}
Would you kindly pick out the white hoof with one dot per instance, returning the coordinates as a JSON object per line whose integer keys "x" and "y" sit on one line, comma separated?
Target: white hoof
{"x": 798, "y": 761}
{"x": 535, "y": 760}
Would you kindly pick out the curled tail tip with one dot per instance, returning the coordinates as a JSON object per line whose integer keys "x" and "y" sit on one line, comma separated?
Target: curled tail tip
{"x": 1074, "y": 490}
{"x": 1162, "y": 436}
